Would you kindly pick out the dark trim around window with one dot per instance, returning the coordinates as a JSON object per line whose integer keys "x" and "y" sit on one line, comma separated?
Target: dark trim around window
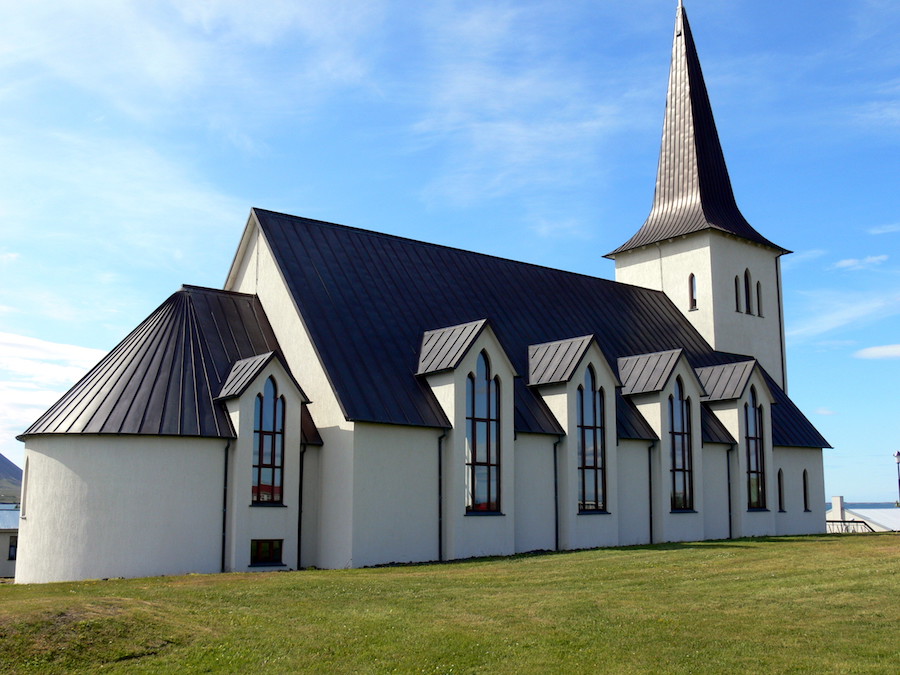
{"x": 591, "y": 446}
{"x": 681, "y": 449}
{"x": 482, "y": 439}
{"x": 268, "y": 446}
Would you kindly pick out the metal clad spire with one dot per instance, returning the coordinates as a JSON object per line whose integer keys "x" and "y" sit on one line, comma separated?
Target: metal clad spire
{"x": 693, "y": 189}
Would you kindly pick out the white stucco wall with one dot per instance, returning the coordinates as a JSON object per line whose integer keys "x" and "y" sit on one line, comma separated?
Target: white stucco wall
{"x": 794, "y": 519}
{"x": 120, "y": 506}
{"x": 395, "y": 502}
{"x": 715, "y": 491}
{"x": 634, "y": 491}
{"x": 535, "y": 505}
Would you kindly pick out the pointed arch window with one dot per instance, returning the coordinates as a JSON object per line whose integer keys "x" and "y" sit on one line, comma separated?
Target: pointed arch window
{"x": 781, "y": 508}
{"x": 759, "y": 302}
{"x": 737, "y": 294}
{"x": 482, "y": 439}
{"x": 268, "y": 445}
{"x": 805, "y": 491}
{"x": 692, "y": 292}
{"x": 756, "y": 474}
{"x": 591, "y": 445}
{"x": 682, "y": 459}
{"x": 748, "y": 292}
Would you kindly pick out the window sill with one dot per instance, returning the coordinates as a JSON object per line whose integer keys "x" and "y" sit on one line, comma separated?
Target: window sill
{"x": 266, "y": 565}
{"x": 782, "y": 511}
{"x": 593, "y": 512}
{"x": 682, "y": 511}
{"x": 754, "y": 509}
{"x": 268, "y": 505}
{"x": 693, "y": 309}
{"x": 484, "y": 513}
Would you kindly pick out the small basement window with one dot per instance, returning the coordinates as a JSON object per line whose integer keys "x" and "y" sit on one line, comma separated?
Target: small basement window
{"x": 266, "y": 551}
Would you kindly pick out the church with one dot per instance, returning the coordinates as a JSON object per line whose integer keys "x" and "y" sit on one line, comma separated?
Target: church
{"x": 351, "y": 398}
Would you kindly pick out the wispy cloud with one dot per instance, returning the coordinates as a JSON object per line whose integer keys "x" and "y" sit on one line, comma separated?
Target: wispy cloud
{"x": 856, "y": 264}
{"x": 796, "y": 259}
{"x": 827, "y": 311}
{"x": 825, "y": 411}
{"x": 884, "y": 229}
{"x": 879, "y": 352}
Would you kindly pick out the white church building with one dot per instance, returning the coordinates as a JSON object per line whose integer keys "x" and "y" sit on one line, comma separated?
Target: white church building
{"x": 352, "y": 398}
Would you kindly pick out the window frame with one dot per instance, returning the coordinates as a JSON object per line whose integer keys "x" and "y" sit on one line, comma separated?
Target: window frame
{"x": 268, "y": 430}
{"x": 271, "y": 560}
{"x": 681, "y": 449}
{"x": 737, "y": 293}
{"x": 759, "y": 302}
{"x": 756, "y": 459}
{"x": 483, "y": 464}
{"x": 780, "y": 479}
{"x": 692, "y": 292}
{"x": 806, "y": 508}
{"x": 13, "y": 547}
{"x": 591, "y": 432}
{"x": 748, "y": 292}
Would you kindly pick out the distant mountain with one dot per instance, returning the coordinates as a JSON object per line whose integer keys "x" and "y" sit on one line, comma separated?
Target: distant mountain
{"x": 10, "y": 481}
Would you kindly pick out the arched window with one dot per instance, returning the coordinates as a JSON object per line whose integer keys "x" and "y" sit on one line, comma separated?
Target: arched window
{"x": 759, "y": 304}
{"x": 268, "y": 444}
{"x": 805, "y": 491}
{"x": 692, "y": 292}
{"x": 591, "y": 445}
{"x": 482, "y": 438}
{"x": 682, "y": 461}
{"x": 737, "y": 294}
{"x": 756, "y": 476}
{"x": 748, "y": 292}
{"x": 781, "y": 491}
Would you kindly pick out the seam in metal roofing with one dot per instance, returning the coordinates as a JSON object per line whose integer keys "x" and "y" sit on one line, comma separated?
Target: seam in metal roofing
{"x": 368, "y": 298}
{"x": 164, "y": 377}
{"x": 442, "y": 349}
{"x": 693, "y": 189}
{"x": 553, "y": 362}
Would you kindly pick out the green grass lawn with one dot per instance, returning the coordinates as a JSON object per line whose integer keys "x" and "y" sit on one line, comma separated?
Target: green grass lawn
{"x": 826, "y": 604}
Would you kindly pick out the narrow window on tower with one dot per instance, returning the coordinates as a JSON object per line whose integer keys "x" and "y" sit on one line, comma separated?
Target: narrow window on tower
{"x": 692, "y": 292}
{"x": 737, "y": 294}
{"x": 748, "y": 293}
{"x": 759, "y": 304}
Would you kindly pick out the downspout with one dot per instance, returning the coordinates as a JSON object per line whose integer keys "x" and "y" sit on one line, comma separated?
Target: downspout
{"x": 650, "y": 485}
{"x": 440, "y": 493}
{"x": 556, "y": 495}
{"x": 728, "y": 471}
{"x": 300, "y": 506}
{"x": 225, "y": 505}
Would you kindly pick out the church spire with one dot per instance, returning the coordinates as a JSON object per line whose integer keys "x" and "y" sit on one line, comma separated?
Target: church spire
{"x": 693, "y": 190}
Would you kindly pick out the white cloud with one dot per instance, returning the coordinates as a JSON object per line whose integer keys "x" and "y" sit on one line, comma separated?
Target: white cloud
{"x": 884, "y": 229}
{"x": 855, "y": 264}
{"x": 825, "y": 411}
{"x": 831, "y": 310}
{"x": 879, "y": 352}
{"x": 797, "y": 259}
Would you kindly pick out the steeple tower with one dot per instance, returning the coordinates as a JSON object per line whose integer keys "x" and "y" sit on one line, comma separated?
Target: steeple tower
{"x": 696, "y": 244}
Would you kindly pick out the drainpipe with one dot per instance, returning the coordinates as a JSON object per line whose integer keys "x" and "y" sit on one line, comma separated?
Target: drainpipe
{"x": 556, "y": 495}
{"x": 225, "y": 505}
{"x": 300, "y": 506}
{"x": 728, "y": 471}
{"x": 650, "y": 485}
{"x": 440, "y": 492}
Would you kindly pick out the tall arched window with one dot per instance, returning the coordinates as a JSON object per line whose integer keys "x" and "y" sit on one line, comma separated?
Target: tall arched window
{"x": 759, "y": 303}
{"x": 737, "y": 294}
{"x": 682, "y": 461}
{"x": 591, "y": 445}
{"x": 268, "y": 444}
{"x": 805, "y": 491}
{"x": 781, "y": 491}
{"x": 482, "y": 438}
{"x": 756, "y": 476}
{"x": 692, "y": 292}
{"x": 748, "y": 292}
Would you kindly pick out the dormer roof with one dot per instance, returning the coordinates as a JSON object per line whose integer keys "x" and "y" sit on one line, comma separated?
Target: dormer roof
{"x": 693, "y": 189}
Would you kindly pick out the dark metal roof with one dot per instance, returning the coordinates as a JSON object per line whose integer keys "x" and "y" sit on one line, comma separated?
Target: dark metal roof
{"x": 442, "y": 349}
{"x": 647, "y": 372}
{"x": 164, "y": 377}
{"x": 367, "y": 298}
{"x": 693, "y": 189}
{"x": 630, "y": 423}
{"x": 726, "y": 381}
{"x": 556, "y": 361}
{"x": 711, "y": 428}
{"x": 243, "y": 373}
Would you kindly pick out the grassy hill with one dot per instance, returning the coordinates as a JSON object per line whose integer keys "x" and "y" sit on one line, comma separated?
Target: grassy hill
{"x": 10, "y": 481}
{"x": 822, "y": 604}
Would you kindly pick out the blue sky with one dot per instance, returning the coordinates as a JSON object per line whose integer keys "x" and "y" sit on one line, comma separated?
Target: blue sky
{"x": 136, "y": 136}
